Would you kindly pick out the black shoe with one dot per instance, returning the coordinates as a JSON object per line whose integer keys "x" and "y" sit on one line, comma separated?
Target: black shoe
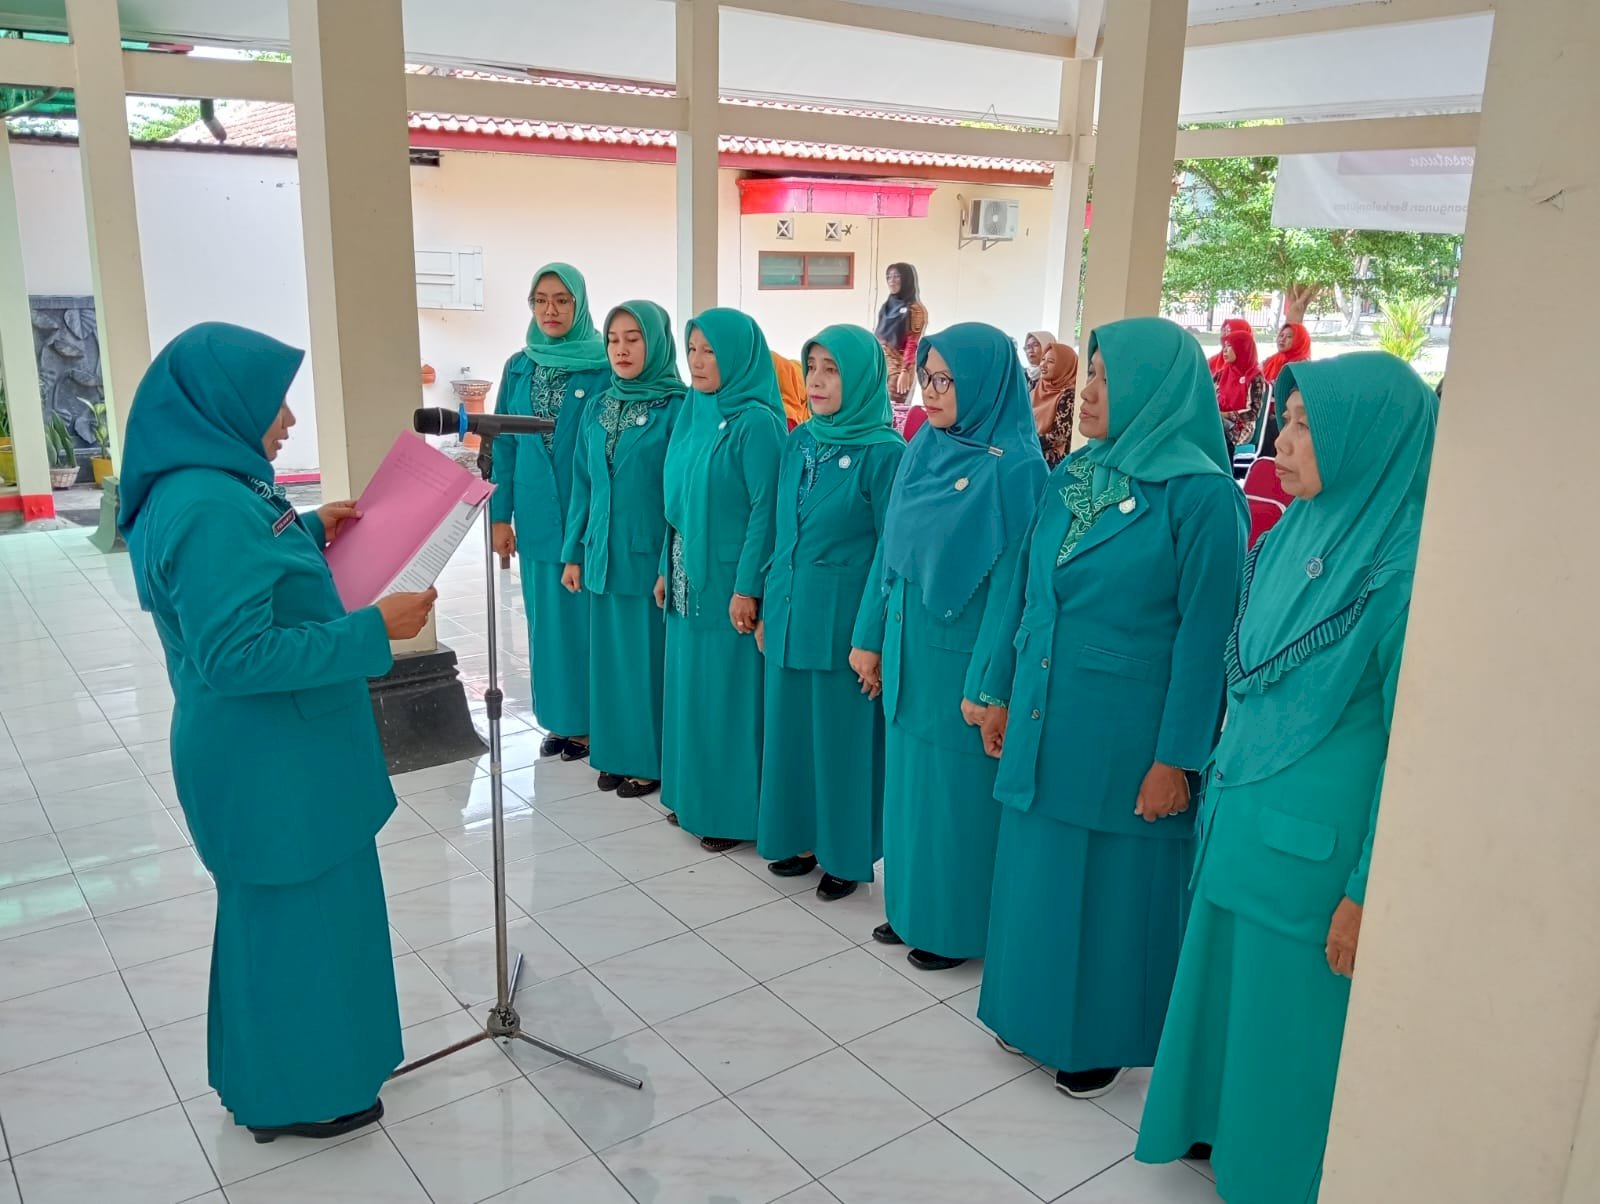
{"x": 793, "y": 867}
{"x": 1200, "y": 1151}
{"x": 923, "y": 960}
{"x": 575, "y": 751}
{"x": 719, "y": 844}
{"x": 322, "y": 1129}
{"x": 885, "y": 934}
{"x": 1089, "y": 1084}
{"x": 672, "y": 818}
{"x": 633, "y": 788}
{"x": 609, "y": 781}
{"x": 552, "y": 746}
{"x": 832, "y": 889}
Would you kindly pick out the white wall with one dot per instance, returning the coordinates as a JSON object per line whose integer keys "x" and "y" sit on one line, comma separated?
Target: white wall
{"x": 221, "y": 240}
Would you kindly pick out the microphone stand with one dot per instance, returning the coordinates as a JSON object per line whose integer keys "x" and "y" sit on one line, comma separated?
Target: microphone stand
{"x": 503, "y": 1022}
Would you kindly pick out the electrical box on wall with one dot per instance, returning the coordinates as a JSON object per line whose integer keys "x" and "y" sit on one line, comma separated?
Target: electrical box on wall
{"x": 992, "y": 221}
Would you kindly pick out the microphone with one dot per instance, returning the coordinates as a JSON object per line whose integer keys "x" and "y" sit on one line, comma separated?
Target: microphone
{"x": 431, "y": 420}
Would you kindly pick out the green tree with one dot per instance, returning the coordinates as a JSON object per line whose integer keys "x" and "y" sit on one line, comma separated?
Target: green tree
{"x": 157, "y": 120}
{"x": 1224, "y": 243}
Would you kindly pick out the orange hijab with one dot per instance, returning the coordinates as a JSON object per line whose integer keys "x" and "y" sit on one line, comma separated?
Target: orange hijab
{"x": 1050, "y": 388}
{"x": 792, "y": 385}
{"x": 1299, "y": 349}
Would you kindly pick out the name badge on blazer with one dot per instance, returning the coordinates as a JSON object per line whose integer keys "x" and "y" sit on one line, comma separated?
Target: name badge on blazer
{"x": 285, "y": 521}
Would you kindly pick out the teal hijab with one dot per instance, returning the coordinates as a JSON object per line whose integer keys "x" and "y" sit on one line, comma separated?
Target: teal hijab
{"x": 865, "y": 416}
{"x": 659, "y": 382}
{"x": 1311, "y": 577}
{"x": 205, "y": 402}
{"x": 964, "y": 495}
{"x": 748, "y": 393}
{"x": 581, "y": 349}
{"x": 1163, "y": 404}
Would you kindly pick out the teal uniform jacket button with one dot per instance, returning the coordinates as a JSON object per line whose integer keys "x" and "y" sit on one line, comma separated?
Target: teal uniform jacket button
{"x": 1035, "y": 714}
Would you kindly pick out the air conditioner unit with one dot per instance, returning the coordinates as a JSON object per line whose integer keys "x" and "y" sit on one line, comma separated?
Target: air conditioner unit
{"x": 992, "y": 221}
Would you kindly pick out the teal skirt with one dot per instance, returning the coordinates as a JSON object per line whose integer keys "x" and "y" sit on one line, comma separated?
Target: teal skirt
{"x": 558, "y": 649}
{"x": 711, "y": 729}
{"x": 1084, "y": 936}
{"x": 940, "y": 823}
{"x": 304, "y": 1022}
{"x": 822, "y": 772}
{"x": 1248, "y": 1060}
{"x": 627, "y": 651}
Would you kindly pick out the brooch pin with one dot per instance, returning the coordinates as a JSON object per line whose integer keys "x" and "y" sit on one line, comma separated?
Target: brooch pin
{"x": 1314, "y": 567}
{"x": 961, "y": 484}
{"x": 1127, "y": 506}
{"x": 640, "y": 420}
{"x": 844, "y": 461}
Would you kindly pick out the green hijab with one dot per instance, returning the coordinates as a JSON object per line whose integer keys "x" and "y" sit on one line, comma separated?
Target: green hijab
{"x": 864, "y": 416}
{"x": 748, "y": 393}
{"x": 659, "y": 381}
{"x": 581, "y": 349}
{"x": 1163, "y": 404}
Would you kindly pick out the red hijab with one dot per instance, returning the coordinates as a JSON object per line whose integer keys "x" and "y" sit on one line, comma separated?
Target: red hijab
{"x": 1233, "y": 380}
{"x": 1229, "y": 326}
{"x": 1299, "y": 349}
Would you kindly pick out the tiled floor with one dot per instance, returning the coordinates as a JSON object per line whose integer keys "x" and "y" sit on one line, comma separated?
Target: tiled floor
{"x": 786, "y": 1056}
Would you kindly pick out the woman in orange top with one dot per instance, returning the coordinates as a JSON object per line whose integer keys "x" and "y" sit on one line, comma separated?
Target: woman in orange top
{"x": 792, "y": 387}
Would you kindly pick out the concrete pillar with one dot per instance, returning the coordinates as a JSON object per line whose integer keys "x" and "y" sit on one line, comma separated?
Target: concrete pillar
{"x": 1134, "y": 152}
{"x": 18, "y": 365}
{"x": 1069, "y": 197}
{"x": 115, "y": 260}
{"x": 1470, "y": 1072}
{"x": 699, "y": 79}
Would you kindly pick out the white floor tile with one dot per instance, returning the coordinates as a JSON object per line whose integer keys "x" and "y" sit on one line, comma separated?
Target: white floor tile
{"x": 425, "y": 860}
{"x": 850, "y": 995}
{"x": 930, "y": 1166}
{"x": 585, "y": 1182}
{"x": 125, "y": 885}
{"x": 744, "y": 1038}
{"x": 709, "y": 891}
{"x": 829, "y": 1111}
{"x": 161, "y": 930}
{"x": 100, "y": 804}
{"x": 445, "y": 911}
{"x": 591, "y": 816}
{"x": 607, "y": 925}
{"x": 31, "y": 860}
{"x": 20, "y": 820}
{"x": 36, "y": 1028}
{"x": 182, "y": 1048}
{"x": 1126, "y": 1103}
{"x": 1131, "y": 1182}
{"x": 422, "y": 996}
{"x": 461, "y": 1074}
{"x": 454, "y": 804}
{"x": 943, "y": 984}
{"x": 553, "y": 879}
{"x": 49, "y": 716}
{"x": 9, "y": 1194}
{"x": 553, "y": 781}
{"x": 125, "y": 704}
{"x": 854, "y": 916}
{"x": 59, "y": 744}
{"x": 403, "y": 824}
{"x": 368, "y": 1170}
{"x": 16, "y": 785}
{"x": 650, "y": 849}
{"x": 775, "y": 939}
{"x": 604, "y": 1113}
{"x": 78, "y": 773}
{"x": 466, "y": 965}
{"x": 143, "y": 729}
{"x": 232, "y": 1150}
{"x": 486, "y": 1143}
{"x": 937, "y": 1060}
{"x": 152, "y": 1159}
{"x": 87, "y": 1090}
{"x": 575, "y": 1012}
{"x": 1047, "y": 1142}
{"x": 122, "y": 840}
{"x": 527, "y": 833}
{"x": 172, "y": 989}
{"x": 713, "y": 1153}
{"x": 671, "y": 977}
{"x": 52, "y": 958}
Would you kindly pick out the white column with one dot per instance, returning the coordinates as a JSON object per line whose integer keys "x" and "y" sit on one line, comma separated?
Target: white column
{"x": 114, "y": 256}
{"x": 18, "y": 364}
{"x": 699, "y": 80}
{"x": 1470, "y": 1072}
{"x": 355, "y": 204}
{"x": 1069, "y": 197}
{"x": 1134, "y": 153}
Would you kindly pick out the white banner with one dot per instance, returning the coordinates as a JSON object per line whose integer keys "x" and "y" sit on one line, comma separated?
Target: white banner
{"x": 1422, "y": 191}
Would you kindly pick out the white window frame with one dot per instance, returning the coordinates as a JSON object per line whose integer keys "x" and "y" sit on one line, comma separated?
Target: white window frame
{"x": 449, "y": 278}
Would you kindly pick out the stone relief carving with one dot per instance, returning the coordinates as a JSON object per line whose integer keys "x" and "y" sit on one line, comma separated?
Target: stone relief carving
{"x": 67, "y": 342}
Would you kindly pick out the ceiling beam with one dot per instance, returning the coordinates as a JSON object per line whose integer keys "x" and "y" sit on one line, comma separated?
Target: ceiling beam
{"x": 199, "y": 78}
{"x": 1091, "y": 15}
{"x": 26, "y": 64}
{"x": 1333, "y": 20}
{"x": 965, "y": 32}
{"x": 1328, "y": 137}
{"x": 793, "y": 125}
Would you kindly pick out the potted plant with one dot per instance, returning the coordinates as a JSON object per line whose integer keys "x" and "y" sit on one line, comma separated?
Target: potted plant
{"x": 63, "y": 456}
{"x": 8, "y": 454}
{"x": 101, "y": 463}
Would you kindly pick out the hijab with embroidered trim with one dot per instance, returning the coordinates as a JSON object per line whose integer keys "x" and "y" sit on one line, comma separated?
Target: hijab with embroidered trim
{"x": 864, "y": 416}
{"x": 581, "y": 349}
{"x": 1162, "y": 407}
{"x": 1229, "y": 325}
{"x": 965, "y": 494}
{"x": 748, "y": 392}
{"x": 1299, "y": 351}
{"x": 659, "y": 381}
{"x": 1233, "y": 379}
{"x": 206, "y": 401}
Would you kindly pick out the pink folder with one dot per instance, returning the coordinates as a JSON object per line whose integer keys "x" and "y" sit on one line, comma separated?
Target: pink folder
{"x": 414, "y": 514}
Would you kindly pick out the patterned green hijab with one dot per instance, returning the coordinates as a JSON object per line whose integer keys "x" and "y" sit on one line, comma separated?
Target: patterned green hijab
{"x": 581, "y": 349}
{"x": 659, "y": 382}
{"x": 865, "y": 416}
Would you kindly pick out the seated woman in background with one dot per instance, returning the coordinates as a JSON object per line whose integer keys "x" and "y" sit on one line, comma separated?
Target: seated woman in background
{"x": 1294, "y": 347}
{"x": 270, "y": 679}
{"x": 1251, "y": 1050}
{"x": 792, "y": 389}
{"x": 615, "y": 527}
{"x": 1241, "y": 388}
{"x": 951, "y": 544}
{"x": 720, "y": 481}
{"x": 822, "y": 771}
{"x": 1229, "y": 326}
{"x": 1033, "y": 353}
{"x": 1110, "y": 662}
{"x": 1053, "y": 396}
{"x": 559, "y": 372}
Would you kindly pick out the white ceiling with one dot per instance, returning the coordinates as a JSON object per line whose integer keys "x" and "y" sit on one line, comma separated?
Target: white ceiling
{"x": 1391, "y": 69}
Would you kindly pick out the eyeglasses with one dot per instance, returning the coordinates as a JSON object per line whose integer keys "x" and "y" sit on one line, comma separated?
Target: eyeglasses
{"x": 937, "y": 383}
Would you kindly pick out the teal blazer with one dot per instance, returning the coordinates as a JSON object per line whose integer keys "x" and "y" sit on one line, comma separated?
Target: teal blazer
{"x": 275, "y": 751}
{"x": 1114, "y": 660}
{"x": 930, "y": 661}
{"x": 616, "y": 520}
{"x": 533, "y": 483}
{"x": 822, "y": 555}
{"x": 744, "y": 489}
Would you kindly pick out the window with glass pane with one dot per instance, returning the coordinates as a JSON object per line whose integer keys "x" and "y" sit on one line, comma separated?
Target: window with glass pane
{"x": 829, "y": 271}
{"x": 782, "y": 270}
{"x": 806, "y": 270}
